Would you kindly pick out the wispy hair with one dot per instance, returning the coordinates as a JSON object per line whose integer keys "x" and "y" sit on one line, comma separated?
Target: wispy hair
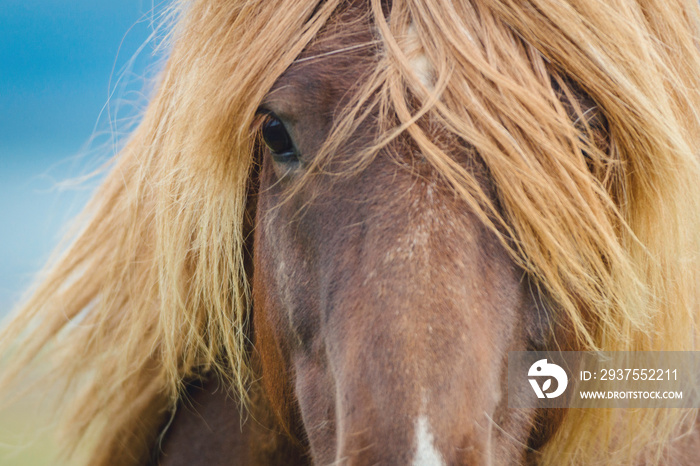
{"x": 152, "y": 291}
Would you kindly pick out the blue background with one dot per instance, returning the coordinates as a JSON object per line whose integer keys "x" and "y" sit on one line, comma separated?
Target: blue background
{"x": 71, "y": 80}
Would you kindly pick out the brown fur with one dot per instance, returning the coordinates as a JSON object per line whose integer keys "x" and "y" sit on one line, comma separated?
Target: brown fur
{"x": 451, "y": 300}
{"x": 476, "y": 177}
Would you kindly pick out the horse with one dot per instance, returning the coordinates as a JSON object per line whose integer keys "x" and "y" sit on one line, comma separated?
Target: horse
{"x": 336, "y": 218}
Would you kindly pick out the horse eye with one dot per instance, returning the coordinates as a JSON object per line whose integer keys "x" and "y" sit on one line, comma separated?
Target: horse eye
{"x": 278, "y": 140}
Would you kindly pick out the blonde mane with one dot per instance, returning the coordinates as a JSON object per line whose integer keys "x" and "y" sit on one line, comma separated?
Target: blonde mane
{"x": 152, "y": 291}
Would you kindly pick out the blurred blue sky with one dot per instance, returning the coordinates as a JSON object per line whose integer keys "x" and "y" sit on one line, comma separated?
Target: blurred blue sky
{"x": 59, "y": 63}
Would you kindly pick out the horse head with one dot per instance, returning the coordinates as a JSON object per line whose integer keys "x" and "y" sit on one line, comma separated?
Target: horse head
{"x": 383, "y": 307}
{"x": 349, "y": 212}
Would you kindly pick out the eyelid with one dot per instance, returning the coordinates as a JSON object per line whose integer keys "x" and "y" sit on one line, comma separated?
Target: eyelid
{"x": 281, "y": 114}
{"x": 260, "y": 114}
{"x": 263, "y": 111}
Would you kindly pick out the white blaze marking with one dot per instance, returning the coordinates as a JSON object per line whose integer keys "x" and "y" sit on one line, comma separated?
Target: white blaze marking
{"x": 426, "y": 453}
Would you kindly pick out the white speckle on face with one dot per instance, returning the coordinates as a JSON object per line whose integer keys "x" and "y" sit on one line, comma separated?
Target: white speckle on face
{"x": 420, "y": 64}
{"x": 426, "y": 453}
{"x": 423, "y": 69}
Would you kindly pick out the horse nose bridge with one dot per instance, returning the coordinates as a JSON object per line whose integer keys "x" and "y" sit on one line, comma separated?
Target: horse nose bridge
{"x": 407, "y": 401}
{"x": 420, "y": 435}
{"x": 410, "y": 332}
